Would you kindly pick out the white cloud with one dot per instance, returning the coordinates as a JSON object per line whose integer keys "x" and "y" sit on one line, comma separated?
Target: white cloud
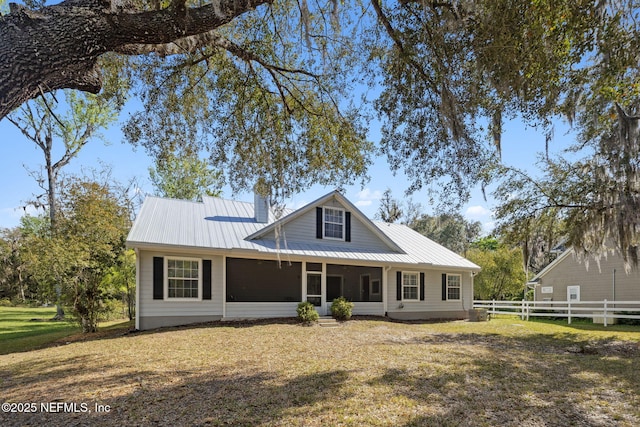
{"x": 366, "y": 197}
{"x": 477, "y": 212}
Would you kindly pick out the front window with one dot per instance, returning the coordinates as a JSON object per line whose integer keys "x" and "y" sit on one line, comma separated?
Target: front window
{"x": 333, "y": 223}
{"x": 183, "y": 278}
{"x": 454, "y": 284}
{"x": 410, "y": 286}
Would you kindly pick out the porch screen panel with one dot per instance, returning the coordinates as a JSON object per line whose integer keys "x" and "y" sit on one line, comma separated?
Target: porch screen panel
{"x": 250, "y": 280}
{"x": 358, "y": 283}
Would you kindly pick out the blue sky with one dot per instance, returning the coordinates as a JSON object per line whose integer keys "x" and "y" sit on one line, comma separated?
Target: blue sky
{"x": 520, "y": 147}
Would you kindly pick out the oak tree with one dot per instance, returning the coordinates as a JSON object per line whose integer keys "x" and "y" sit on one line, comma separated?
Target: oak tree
{"x": 272, "y": 89}
{"x": 185, "y": 176}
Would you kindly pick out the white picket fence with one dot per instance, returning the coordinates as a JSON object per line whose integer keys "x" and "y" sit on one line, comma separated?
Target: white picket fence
{"x": 601, "y": 311}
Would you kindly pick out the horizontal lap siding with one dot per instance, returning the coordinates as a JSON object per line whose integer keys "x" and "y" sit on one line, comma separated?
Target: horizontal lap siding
{"x": 433, "y": 293}
{"x": 251, "y": 310}
{"x": 595, "y": 284}
{"x": 150, "y": 308}
{"x": 368, "y": 309}
{"x": 303, "y": 229}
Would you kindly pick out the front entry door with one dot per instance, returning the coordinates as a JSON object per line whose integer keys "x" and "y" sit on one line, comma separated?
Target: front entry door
{"x": 314, "y": 290}
{"x": 334, "y": 290}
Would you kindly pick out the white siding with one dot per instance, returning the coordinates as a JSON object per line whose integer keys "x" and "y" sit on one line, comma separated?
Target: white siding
{"x": 254, "y": 310}
{"x": 303, "y": 229}
{"x": 433, "y": 303}
{"x": 151, "y": 308}
{"x": 368, "y": 309}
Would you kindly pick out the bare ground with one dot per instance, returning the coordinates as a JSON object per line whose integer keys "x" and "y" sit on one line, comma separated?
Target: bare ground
{"x": 365, "y": 372}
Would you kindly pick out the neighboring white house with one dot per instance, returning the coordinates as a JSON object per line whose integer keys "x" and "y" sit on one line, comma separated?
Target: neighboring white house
{"x": 223, "y": 260}
{"x": 566, "y": 279}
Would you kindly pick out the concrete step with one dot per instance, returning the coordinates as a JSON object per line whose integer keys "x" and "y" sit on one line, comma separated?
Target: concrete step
{"x": 328, "y": 322}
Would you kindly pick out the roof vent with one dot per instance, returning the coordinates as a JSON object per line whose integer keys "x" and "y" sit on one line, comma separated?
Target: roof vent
{"x": 261, "y": 208}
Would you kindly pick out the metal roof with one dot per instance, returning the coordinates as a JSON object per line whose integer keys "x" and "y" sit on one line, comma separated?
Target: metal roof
{"x": 226, "y": 225}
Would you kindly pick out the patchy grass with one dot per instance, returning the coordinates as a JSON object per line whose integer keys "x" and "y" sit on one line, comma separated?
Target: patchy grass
{"x": 28, "y": 328}
{"x": 365, "y": 372}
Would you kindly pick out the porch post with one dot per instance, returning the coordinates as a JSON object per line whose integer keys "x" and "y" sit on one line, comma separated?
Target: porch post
{"x": 304, "y": 281}
{"x": 385, "y": 303}
{"x": 224, "y": 286}
{"x": 323, "y": 289}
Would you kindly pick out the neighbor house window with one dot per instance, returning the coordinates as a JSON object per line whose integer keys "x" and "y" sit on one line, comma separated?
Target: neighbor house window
{"x": 454, "y": 284}
{"x": 183, "y": 278}
{"x": 410, "y": 288}
{"x": 333, "y": 223}
{"x": 573, "y": 293}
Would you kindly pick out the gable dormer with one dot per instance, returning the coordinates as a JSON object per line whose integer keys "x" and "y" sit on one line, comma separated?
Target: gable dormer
{"x": 332, "y": 220}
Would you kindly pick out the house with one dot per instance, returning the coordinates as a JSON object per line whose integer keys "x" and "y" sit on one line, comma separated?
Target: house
{"x": 567, "y": 279}
{"x": 221, "y": 260}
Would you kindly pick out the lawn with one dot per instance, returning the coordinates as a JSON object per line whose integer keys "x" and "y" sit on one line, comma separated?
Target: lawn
{"x": 28, "y": 328}
{"x": 23, "y": 328}
{"x": 504, "y": 372}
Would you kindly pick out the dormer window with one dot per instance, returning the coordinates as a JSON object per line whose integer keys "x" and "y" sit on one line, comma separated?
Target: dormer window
{"x": 333, "y": 223}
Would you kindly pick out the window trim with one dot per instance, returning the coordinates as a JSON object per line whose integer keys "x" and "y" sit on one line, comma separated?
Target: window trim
{"x": 343, "y": 224}
{"x": 417, "y": 285}
{"x": 454, "y": 287}
{"x": 166, "y": 279}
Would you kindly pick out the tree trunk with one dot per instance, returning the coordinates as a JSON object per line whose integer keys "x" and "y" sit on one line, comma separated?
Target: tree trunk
{"x": 58, "y": 46}
{"x": 131, "y": 302}
{"x": 21, "y": 285}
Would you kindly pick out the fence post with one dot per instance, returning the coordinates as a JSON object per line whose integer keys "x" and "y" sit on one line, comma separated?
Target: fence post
{"x": 569, "y": 312}
{"x": 522, "y": 315}
{"x": 605, "y": 313}
{"x": 493, "y": 307}
{"x": 528, "y": 309}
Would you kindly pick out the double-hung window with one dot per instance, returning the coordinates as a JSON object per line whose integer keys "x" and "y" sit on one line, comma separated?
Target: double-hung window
{"x": 454, "y": 285}
{"x": 410, "y": 289}
{"x": 183, "y": 278}
{"x": 333, "y": 223}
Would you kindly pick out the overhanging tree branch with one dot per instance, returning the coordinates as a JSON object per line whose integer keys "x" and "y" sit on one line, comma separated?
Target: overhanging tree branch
{"x": 58, "y": 46}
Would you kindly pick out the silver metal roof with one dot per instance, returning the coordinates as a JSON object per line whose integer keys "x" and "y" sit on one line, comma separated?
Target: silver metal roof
{"x": 225, "y": 225}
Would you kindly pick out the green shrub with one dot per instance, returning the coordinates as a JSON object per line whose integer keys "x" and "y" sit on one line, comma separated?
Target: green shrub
{"x": 112, "y": 309}
{"x": 5, "y": 302}
{"x": 307, "y": 312}
{"x": 341, "y": 308}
